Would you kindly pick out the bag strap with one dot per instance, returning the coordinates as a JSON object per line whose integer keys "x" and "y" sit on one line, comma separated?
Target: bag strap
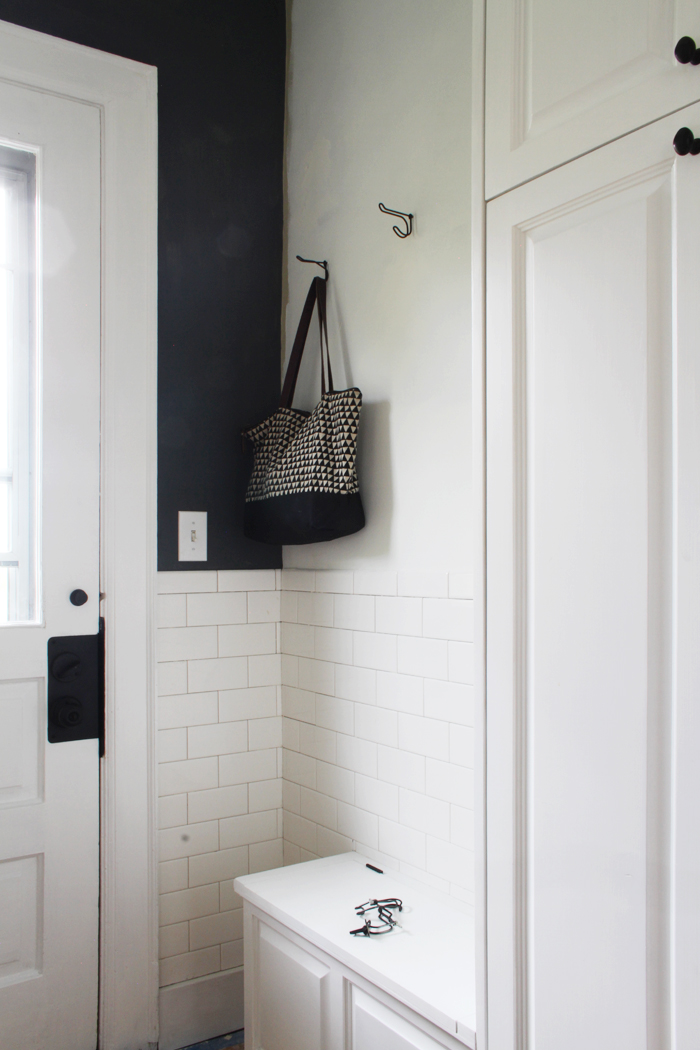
{"x": 317, "y": 293}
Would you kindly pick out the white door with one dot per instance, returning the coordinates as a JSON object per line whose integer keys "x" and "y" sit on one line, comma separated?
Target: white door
{"x": 593, "y": 599}
{"x": 49, "y": 533}
{"x": 563, "y": 77}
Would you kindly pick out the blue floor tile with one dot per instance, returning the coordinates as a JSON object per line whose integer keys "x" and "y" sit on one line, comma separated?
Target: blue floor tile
{"x": 221, "y": 1042}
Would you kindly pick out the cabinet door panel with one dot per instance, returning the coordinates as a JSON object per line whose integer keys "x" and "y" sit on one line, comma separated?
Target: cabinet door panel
{"x": 292, "y": 995}
{"x": 593, "y": 578}
{"x": 564, "y": 77}
{"x": 377, "y": 1027}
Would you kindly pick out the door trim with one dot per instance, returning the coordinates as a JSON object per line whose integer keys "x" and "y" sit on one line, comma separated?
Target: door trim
{"x": 125, "y": 92}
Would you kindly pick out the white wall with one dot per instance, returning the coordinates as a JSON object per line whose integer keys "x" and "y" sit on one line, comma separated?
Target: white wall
{"x": 379, "y": 110}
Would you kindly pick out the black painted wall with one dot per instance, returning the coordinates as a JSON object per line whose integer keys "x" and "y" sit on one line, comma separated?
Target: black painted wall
{"x": 221, "y": 81}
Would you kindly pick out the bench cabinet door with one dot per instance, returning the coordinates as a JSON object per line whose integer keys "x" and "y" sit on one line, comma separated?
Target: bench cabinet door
{"x": 375, "y": 1026}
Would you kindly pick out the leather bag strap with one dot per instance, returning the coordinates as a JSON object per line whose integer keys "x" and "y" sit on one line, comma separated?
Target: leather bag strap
{"x": 317, "y": 293}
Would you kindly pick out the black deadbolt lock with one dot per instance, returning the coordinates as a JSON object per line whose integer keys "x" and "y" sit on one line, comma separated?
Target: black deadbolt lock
{"x": 76, "y": 687}
{"x": 66, "y": 713}
{"x": 66, "y": 666}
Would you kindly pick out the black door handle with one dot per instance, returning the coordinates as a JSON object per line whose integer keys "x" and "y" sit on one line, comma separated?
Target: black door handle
{"x": 684, "y": 142}
{"x": 686, "y": 51}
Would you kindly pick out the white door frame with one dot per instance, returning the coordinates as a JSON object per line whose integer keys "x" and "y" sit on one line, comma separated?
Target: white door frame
{"x": 125, "y": 93}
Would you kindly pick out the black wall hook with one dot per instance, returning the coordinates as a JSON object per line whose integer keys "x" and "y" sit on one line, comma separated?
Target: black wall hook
{"x": 406, "y": 216}
{"x": 316, "y": 262}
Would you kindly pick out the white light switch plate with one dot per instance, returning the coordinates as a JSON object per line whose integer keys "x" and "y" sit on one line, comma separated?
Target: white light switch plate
{"x": 192, "y": 533}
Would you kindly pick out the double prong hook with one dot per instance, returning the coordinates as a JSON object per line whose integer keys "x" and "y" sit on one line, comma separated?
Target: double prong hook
{"x": 316, "y": 262}
{"x": 406, "y": 216}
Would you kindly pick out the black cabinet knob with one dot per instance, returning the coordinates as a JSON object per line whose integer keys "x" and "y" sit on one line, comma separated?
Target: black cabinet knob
{"x": 78, "y": 597}
{"x": 686, "y": 51}
{"x": 684, "y": 142}
{"x": 66, "y": 713}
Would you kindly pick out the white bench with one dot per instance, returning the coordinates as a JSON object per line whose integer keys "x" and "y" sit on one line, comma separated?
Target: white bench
{"x": 309, "y": 985}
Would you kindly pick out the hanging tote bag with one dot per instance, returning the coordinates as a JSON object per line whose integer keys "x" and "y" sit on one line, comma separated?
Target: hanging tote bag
{"x": 303, "y": 488}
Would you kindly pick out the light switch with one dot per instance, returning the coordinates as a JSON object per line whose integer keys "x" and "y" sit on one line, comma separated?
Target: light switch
{"x": 192, "y": 533}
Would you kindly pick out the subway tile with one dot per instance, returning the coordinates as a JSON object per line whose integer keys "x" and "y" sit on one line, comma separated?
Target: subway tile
{"x": 450, "y": 782}
{"x": 374, "y": 582}
{"x": 246, "y": 767}
{"x": 172, "y": 811}
{"x": 247, "y": 639}
{"x": 400, "y": 692}
{"x": 317, "y": 675}
{"x": 172, "y": 745}
{"x": 462, "y": 746}
{"x": 224, "y": 738}
{"x": 191, "y": 775}
{"x": 298, "y": 580}
{"x": 173, "y": 940}
{"x": 336, "y": 782}
{"x": 399, "y": 841}
{"x": 232, "y": 955}
{"x": 377, "y": 651}
{"x": 330, "y": 843}
{"x": 305, "y": 854}
{"x": 251, "y": 827}
{"x": 189, "y": 709}
{"x": 186, "y": 643}
{"x": 333, "y": 713}
{"x": 461, "y": 585}
{"x": 333, "y": 645}
{"x": 247, "y": 580}
{"x": 265, "y": 794}
{"x": 321, "y": 809}
{"x": 228, "y": 898}
{"x": 358, "y": 825}
{"x": 217, "y": 802}
{"x": 423, "y": 584}
{"x": 424, "y": 736}
{"x": 189, "y": 840}
{"x": 265, "y": 855}
{"x": 290, "y": 669}
{"x": 401, "y": 768}
{"x": 215, "y": 609}
{"x": 171, "y": 610}
{"x": 448, "y": 618}
{"x": 289, "y": 606}
{"x": 264, "y": 733}
{"x": 238, "y": 704}
{"x": 353, "y": 612}
{"x": 461, "y": 662}
{"x": 172, "y": 875}
{"x": 377, "y": 796}
{"x": 462, "y": 827}
{"x": 172, "y": 678}
{"x": 185, "y": 582}
{"x": 216, "y": 929}
{"x": 291, "y": 797}
{"x": 315, "y": 609}
{"x": 423, "y": 813}
{"x": 449, "y": 701}
{"x": 358, "y": 755}
{"x": 300, "y": 831}
{"x": 317, "y": 742}
{"x": 300, "y": 769}
{"x": 227, "y": 673}
{"x": 264, "y": 606}
{"x": 188, "y": 904}
{"x": 400, "y": 616}
{"x": 216, "y": 867}
{"x": 334, "y": 582}
{"x": 264, "y": 670}
{"x": 355, "y": 683}
{"x": 376, "y": 723}
{"x": 450, "y": 862}
{"x": 291, "y": 853}
{"x": 299, "y": 704}
{"x": 187, "y": 967}
{"x": 290, "y": 734}
{"x": 426, "y": 657}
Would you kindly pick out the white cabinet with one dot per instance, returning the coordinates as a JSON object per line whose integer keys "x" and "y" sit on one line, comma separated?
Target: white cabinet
{"x": 563, "y": 77}
{"x": 593, "y": 599}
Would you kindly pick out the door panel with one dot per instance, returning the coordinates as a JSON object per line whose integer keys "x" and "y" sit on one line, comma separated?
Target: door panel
{"x": 292, "y": 1009}
{"x": 591, "y": 363}
{"x": 49, "y": 793}
{"x": 563, "y": 78}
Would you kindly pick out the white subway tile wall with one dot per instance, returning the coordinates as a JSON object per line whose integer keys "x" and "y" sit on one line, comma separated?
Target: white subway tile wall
{"x": 220, "y": 759}
{"x": 378, "y": 715}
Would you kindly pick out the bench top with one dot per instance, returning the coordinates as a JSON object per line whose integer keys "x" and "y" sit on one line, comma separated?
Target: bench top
{"x": 427, "y": 963}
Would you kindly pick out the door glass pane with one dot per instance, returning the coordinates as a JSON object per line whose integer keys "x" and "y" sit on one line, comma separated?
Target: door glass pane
{"x": 19, "y": 445}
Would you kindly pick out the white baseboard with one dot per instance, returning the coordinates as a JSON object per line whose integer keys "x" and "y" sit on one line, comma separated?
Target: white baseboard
{"x": 201, "y": 1009}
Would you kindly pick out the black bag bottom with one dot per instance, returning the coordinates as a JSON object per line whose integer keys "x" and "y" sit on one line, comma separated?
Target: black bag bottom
{"x": 304, "y": 517}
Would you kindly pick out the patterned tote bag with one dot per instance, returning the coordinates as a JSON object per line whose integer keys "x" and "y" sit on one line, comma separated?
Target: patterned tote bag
{"x": 303, "y": 488}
